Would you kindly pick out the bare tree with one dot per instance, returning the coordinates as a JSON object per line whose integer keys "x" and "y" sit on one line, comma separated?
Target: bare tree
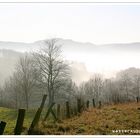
{"x": 136, "y": 85}
{"x": 53, "y": 70}
{"x": 12, "y": 88}
{"x": 11, "y": 91}
{"x": 26, "y": 77}
{"x": 107, "y": 88}
{"x": 125, "y": 81}
{"x": 92, "y": 88}
{"x": 97, "y": 85}
{"x": 67, "y": 92}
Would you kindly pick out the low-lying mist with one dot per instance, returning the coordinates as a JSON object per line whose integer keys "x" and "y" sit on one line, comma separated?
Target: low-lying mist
{"x": 85, "y": 59}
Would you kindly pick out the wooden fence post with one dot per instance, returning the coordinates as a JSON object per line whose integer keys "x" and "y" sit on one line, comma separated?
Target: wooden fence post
{"x": 100, "y": 104}
{"x": 87, "y": 104}
{"x": 75, "y": 110}
{"x": 137, "y": 98}
{"x": 58, "y": 111}
{"x": 71, "y": 111}
{"x": 2, "y": 127}
{"x": 79, "y": 105}
{"x": 93, "y": 101}
{"x": 19, "y": 123}
{"x": 50, "y": 111}
{"x": 37, "y": 115}
{"x": 67, "y": 110}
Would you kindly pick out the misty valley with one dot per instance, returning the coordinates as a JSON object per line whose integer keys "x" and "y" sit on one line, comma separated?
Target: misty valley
{"x": 63, "y": 87}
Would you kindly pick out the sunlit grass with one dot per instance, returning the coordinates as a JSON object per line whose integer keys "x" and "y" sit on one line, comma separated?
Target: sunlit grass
{"x": 10, "y": 117}
{"x": 100, "y": 121}
{"x": 93, "y": 121}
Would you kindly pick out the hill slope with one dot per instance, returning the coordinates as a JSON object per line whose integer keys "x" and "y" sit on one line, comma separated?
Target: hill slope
{"x": 110, "y": 120}
{"x": 106, "y": 121}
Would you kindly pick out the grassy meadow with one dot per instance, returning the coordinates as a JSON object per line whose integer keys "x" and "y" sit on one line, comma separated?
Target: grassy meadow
{"x": 93, "y": 121}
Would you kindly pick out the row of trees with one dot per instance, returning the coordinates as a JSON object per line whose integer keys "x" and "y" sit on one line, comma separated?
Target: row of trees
{"x": 46, "y": 72}
{"x": 41, "y": 72}
{"x": 125, "y": 87}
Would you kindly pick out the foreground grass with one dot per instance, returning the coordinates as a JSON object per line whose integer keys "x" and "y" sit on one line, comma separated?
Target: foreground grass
{"x": 99, "y": 121}
{"x": 90, "y": 122}
{"x": 10, "y": 116}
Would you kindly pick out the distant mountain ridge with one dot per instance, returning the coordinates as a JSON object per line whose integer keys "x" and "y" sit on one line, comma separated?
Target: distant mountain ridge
{"x": 69, "y": 45}
{"x": 86, "y": 57}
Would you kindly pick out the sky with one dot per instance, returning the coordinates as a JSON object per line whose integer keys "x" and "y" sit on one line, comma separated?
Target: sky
{"x": 81, "y": 22}
{"x": 95, "y": 23}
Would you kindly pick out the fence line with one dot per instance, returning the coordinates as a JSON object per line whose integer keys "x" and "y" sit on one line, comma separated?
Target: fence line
{"x": 69, "y": 111}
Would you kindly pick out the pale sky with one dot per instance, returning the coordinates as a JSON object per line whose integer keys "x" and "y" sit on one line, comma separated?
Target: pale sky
{"x": 95, "y": 23}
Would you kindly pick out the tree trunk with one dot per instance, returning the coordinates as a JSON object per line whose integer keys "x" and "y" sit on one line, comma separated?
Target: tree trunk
{"x": 50, "y": 98}
{"x": 16, "y": 102}
{"x": 27, "y": 102}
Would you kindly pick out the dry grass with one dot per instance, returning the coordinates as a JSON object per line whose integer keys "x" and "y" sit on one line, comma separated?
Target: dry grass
{"x": 91, "y": 122}
{"x": 98, "y": 121}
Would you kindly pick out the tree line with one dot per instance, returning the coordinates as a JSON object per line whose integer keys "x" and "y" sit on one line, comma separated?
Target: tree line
{"x": 46, "y": 72}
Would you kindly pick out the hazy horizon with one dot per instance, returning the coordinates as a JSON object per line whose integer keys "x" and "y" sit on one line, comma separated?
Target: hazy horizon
{"x": 103, "y": 38}
{"x": 89, "y": 58}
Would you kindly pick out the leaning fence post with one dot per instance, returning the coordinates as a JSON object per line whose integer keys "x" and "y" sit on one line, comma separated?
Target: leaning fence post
{"x": 19, "y": 123}
{"x": 67, "y": 110}
{"x": 2, "y": 127}
{"x": 93, "y": 101}
{"x": 87, "y": 104}
{"x": 50, "y": 111}
{"x": 79, "y": 105}
{"x": 58, "y": 111}
{"x": 37, "y": 115}
{"x": 100, "y": 104}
